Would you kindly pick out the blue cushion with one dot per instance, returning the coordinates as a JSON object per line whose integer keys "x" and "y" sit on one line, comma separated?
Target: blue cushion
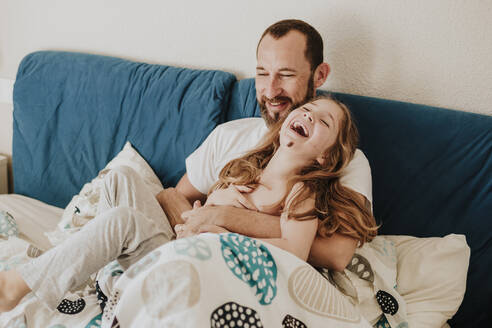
{"x": 74, "y": 112}
{"x": 243, "y": 101}
{"x": 432, "y": 176}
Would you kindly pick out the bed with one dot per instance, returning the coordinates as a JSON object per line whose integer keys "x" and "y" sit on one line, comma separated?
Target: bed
{"x": 76, "y": 116}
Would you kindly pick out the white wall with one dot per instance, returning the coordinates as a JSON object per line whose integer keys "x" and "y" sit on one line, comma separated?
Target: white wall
{"x": 435, "y": 52}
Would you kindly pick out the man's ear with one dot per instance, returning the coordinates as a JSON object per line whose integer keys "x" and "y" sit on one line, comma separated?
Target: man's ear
{"x": 321, "y": 74}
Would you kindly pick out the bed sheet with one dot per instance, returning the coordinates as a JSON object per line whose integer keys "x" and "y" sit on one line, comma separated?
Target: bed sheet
{"x": 32, "y": 216}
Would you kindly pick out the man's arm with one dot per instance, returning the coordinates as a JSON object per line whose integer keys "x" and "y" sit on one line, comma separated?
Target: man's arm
{"x": 173, "y": 204}
{"x": 333, "y": 253}
{"x": 239, "y": 220}
{"x": 174, "y": 201}
{"x": 185, "y": 187}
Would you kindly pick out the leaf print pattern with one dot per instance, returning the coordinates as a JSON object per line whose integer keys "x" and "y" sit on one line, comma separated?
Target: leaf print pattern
{"x": 144, "y": 263}
{"x": 113, "y": 269}
{"x": 95, "y": 322}
{"x": 324, "y": 300}
{"x": 71, "y": 307}
{"x": 193, "y": 247}
{"x": 361, "y": 267}
{"x": 291, "y": 322}
{"x": 251, "y": 262}
{"x": 232, "y": 314}
{"x": 8, "y": 226}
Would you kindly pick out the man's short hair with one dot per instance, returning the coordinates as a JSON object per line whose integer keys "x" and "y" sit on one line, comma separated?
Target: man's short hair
{"x": 314, "y": 42}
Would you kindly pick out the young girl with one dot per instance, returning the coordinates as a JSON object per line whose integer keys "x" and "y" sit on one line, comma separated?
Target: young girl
{"x": 294, "y": 173}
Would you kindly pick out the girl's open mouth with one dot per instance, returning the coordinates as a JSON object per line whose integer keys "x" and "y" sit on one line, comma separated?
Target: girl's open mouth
{"x": 300, "y": 129}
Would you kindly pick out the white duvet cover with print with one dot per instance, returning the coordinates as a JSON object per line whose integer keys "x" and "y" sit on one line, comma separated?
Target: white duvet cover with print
{"x": 226, "y": 280}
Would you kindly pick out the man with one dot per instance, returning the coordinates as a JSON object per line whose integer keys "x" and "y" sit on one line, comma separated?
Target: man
{"x": 289, "y": 69}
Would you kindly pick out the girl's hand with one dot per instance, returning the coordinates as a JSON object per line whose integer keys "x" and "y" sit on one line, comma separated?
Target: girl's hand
{"x": 231, "y": 196}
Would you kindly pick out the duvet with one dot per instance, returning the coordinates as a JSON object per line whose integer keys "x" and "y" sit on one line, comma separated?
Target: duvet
{"x": 226, "y": 280}
{"x": 209, "y": 280}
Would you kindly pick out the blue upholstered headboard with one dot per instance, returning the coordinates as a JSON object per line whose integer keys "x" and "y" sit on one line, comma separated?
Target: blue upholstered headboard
{"x": 432, "y": 167}
{"x": 74, "y": 112}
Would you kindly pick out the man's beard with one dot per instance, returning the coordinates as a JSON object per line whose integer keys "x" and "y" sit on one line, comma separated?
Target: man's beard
{"x": 270, "y": 121}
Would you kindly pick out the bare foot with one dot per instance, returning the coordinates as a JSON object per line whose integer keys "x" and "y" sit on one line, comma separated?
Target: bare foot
{"x": 12, "y": 290}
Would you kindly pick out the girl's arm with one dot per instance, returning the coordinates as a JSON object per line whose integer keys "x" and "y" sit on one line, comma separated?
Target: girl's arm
{"x": 297, "y": 234}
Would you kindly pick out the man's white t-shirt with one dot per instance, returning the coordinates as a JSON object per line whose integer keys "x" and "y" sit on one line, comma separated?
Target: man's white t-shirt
{"x": 233, "y": 139}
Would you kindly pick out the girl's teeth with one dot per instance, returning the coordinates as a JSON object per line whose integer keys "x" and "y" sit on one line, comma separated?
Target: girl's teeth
{"x": 297, "y": 125}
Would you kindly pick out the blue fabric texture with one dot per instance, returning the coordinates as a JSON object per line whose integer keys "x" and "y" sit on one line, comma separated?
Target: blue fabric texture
{"x": 432, "y": 176}
{"x": 74, "y": 112}
{"x": 243, "y": 101}
{"x": 431, "y": 167}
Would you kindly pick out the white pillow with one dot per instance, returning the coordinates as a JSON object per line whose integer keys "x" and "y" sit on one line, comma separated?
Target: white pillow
{"x": 128, "y": 156}
{"x": 83, "y": 207}
{"x": 431, "y": 277}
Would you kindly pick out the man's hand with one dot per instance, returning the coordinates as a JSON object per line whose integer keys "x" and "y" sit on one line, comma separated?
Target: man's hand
{"x": 182, "y": 232}
{"x": 197, "y": 219}
{"x": 231, "y": 196}
{"x": 239, "y": 220}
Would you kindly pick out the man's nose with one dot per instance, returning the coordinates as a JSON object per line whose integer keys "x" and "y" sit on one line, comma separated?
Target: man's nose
{"x": 273, "y": 88}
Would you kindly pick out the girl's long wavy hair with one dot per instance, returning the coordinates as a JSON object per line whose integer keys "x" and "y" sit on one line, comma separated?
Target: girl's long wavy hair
{"x": 340, "y": 209}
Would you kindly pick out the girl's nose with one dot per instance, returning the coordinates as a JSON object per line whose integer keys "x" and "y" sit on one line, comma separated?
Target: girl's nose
{"x": 308, "y": 116}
